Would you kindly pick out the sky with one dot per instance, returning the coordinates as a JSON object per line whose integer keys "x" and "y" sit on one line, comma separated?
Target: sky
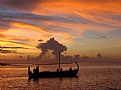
{"x": 86, "y": 27}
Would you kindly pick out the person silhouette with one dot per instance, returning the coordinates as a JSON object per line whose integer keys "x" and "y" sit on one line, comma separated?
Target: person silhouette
{"x": 61, "y": 70}
{"x": 29, "y": 72}
{"x": 37, "y": 70}
{"x": 34, "y": 70}
{"x": 57, "y": 70}
{"x": 70, "y": 69}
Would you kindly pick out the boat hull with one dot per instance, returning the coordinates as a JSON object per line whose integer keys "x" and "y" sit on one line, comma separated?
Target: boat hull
{"x": 72, "y": 73}
{"x": 58, "y": 73}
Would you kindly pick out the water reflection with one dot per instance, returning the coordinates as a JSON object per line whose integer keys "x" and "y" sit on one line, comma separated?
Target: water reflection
{"x": 36, "y": 80}
{"x": 91, "y": 78}
{"x": 56, "y": 83}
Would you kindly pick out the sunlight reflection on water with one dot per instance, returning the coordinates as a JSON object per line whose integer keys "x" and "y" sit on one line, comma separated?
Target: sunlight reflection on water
{"x": 89, "y": 77}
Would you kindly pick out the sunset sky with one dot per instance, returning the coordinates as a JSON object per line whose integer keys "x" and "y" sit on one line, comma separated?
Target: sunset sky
{"x": 86, "y": 27}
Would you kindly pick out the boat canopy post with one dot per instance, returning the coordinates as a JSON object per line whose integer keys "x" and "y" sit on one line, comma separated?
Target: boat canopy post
{"x": 59, "y": 60}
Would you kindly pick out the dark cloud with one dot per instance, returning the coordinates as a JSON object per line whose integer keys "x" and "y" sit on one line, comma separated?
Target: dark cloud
{"x": 19, "y": 41}
{"x": 8, "y": 15}
{"x": 40, "y": 40}
{"x": 103, "y": 37}
{"x": 23, "y": 4}
{"x": 13, "y": 48}
{"x": 7, "y": 51}
{"x": 20, "y": 4}
{"x": 4, "y": 24}
{"x": 53, "y": 45}
{"x": 15, "y": 41}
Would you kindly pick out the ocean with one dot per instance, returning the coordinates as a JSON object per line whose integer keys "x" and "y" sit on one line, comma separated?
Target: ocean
{"x": 90, "y": 77}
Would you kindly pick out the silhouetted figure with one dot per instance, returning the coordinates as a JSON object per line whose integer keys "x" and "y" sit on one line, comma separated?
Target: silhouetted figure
{"x": 28, "y": 68}
{"x": 70, "y": 69}
{"x": 57, "y": 70}
{"x": 61, "y": 70}
{"x": 37, "y": 70}
{"x": 34, "y": 70}
{"x": 29, "y": 73}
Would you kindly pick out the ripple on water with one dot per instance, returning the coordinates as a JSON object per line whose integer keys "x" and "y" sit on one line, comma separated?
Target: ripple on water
{"x": 89, "y": 78}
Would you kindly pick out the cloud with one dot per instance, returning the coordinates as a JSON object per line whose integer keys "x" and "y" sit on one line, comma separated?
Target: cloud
{"x": 7, "y": 51}
{"x": 13, "y": 48}
{"x": 20, "y": 40}
{"x": 72, "y": 25}
{"x": 25, "y": 21}
{"x": 2, "y": 36}
{"x": 40, "y": 40}
{"x": 71, "y": 13}
{"x": 103, "y": 36}
{"x": 19, "y": 3}
{"x": 117, "y": 44}
{"x": 53, "y": 45}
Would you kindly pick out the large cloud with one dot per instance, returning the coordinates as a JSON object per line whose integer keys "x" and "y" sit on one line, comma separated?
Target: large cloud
{"x": 53, "y": 45}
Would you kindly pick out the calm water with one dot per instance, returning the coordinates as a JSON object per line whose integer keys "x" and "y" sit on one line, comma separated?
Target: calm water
{"x": 89, "y": 78}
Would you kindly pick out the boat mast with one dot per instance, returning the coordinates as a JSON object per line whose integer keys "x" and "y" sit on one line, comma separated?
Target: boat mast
{"x": 59, "y": 60}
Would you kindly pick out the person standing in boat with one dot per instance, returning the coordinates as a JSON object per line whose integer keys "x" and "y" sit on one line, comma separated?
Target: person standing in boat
{"x": 57, "y": 70}
{"x": 61, "y": 70}
{"x": 37, "y": 69}
{"x": 70, "y": 69}
{"x": 34, "y": 70}
{"x": 29, "y": 71}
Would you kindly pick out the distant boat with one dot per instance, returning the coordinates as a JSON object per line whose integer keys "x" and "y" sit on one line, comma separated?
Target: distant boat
{"x": 58, "y": 73}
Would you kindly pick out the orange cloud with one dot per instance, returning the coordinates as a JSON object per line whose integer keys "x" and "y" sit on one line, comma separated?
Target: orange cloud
{"x": 66, "y": 20}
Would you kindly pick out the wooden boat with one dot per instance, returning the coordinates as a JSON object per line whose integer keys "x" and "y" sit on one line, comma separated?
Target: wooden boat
{"x": 58, "y": 73}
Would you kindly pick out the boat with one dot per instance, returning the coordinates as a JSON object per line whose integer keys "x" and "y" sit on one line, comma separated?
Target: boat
{"x": 58, "y": 73}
